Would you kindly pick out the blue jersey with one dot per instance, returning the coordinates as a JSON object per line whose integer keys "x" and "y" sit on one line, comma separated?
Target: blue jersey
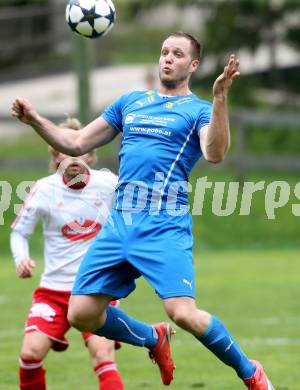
{"x": 160, "y": 146}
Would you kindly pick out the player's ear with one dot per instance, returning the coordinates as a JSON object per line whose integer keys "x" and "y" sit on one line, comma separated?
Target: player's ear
{"x": 194, "y": 65}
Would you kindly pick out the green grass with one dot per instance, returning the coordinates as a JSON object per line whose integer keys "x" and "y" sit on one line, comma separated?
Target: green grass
{"x": 29, "y": 146}
{"x": 253, "y": 231}
{"x": 254, "y": 292}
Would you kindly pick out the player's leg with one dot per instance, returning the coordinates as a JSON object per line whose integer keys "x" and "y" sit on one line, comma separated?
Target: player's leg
{"x": 87, "y": 313}
{"x": 92, "y": 313}
{"x": 213, "y": 334}
{"x": 165, "y": 259}
{"x": 102, "y": 352}
{"x": 210, "y": 332}
{"x": 120, "y": 326}
{"x": 45, "y": 328}
{"x": 31, "y": 372}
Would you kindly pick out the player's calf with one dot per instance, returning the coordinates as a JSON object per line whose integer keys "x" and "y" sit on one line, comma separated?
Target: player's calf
{"x": 101, "y": 350}
{"x": 35, "y": 346}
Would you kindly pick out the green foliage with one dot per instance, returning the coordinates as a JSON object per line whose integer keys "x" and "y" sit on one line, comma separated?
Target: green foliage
{"x": 274, "y": 140}
{"x": 131, "y": 45}
{"x": 245, "y": 24}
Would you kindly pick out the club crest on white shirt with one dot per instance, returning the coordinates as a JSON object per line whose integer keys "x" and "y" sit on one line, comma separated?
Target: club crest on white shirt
{"x": 81, "y": 229}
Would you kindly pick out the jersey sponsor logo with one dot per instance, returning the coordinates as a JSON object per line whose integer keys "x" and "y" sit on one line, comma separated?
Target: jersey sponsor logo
{"x": 42, "y": 310}
{"x": 130, "y": 118}
{"x": 180, "y": 101}
{"x": 149, "y": 130}
{"x": 81, "y": 230}
{"x": 184, "y": 100}
{"x": 145, "y": 101}
{"x": 169, "y": 105}
{"x": 189, "y": 283}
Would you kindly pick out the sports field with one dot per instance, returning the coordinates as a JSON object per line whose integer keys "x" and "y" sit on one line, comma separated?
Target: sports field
{"x": 256, "y": 293}
{"x": 247, "y": 271}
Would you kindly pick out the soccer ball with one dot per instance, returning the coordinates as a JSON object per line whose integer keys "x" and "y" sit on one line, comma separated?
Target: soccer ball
{"x": 91, "y": 18}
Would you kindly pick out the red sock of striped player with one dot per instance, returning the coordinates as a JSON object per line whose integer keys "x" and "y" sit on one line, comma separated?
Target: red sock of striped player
{"x": 32, "y": 375}
{"x": 109, "y": 378}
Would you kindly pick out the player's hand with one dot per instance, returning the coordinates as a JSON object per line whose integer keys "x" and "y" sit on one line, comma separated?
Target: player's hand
{"x": 24, "y": 111}
{"x": 24, "y": 269}
{"x": 224, "y": 81}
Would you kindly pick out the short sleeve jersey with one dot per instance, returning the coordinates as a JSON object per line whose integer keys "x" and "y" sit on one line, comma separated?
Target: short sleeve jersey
{"x": 160, "y": 146}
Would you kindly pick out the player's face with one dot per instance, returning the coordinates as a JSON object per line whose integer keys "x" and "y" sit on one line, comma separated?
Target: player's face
{"x": 176, "y": 63}
{"x": 76, "y": 166}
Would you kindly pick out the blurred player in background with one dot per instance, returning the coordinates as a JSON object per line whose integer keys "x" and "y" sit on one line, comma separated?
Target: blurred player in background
{"x": 73, "y": 205}
{"x": 164, "y": 133}
{"x": 150, "y": 79}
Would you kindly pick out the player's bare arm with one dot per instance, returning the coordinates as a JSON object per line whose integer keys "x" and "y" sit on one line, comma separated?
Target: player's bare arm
{"x": 215, "y": 137}
{"x": 68, "y": 141}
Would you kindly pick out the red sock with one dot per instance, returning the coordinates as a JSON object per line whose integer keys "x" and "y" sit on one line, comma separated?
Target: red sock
{"x": 32, "y": 375}
{"x": 109, "y": 378}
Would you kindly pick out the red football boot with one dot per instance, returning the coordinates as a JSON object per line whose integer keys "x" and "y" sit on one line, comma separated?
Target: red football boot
{"x": 259, "y": 380}
{"x": 161, "y": 353}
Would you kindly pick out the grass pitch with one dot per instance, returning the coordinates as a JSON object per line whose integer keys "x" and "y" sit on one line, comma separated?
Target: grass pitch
{"x": 255, "y": 293}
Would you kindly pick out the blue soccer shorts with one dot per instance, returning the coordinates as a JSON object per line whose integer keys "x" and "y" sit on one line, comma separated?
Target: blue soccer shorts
{"x": 157, "y": 247}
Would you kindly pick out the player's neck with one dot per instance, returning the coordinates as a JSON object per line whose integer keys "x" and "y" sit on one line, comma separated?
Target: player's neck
{"x": 176, "y": 91}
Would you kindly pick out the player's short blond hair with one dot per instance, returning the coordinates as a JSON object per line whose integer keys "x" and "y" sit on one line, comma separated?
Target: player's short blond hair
{"x": 69, "y": 123}
{"x": 195, "y": 44}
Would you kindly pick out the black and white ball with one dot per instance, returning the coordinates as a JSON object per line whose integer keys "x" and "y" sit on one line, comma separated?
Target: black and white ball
{"x": 91, "y": 18}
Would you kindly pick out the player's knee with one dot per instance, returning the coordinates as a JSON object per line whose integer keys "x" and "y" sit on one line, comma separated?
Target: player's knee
{"x": 190, "y": 318}
{"x": 78, "y": 319}
{"x": 86, "y": 313}
{"x": 83, "y": 320}
{"x": 180, "y": 316}
{"x": 31, "y": 353}
{"x": 174, "y": 311}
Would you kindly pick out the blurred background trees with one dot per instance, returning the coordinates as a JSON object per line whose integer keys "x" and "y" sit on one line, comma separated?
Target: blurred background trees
{"x": 35, "y": 39}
